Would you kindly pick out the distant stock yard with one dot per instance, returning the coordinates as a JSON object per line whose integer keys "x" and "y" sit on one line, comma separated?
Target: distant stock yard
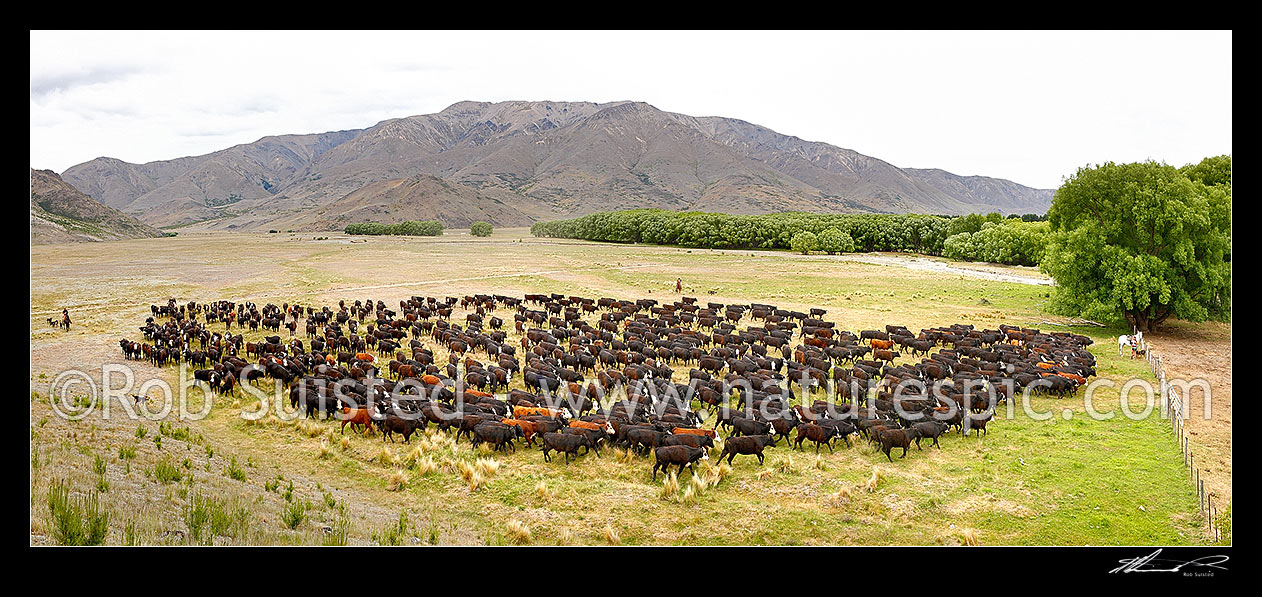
{"x": 522, "y": 390}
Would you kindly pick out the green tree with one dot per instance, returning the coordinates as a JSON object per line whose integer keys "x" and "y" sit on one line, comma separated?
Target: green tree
{"x": 833, "y": 241}
{"x": 480, "y": 229}
{"x": 1141, "y": 242}
{"x": 804, "y": 242}
{"x": 1215, "y": 171}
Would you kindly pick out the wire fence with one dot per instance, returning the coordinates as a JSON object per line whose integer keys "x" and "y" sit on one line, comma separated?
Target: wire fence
{"x": 1174, "y": 404}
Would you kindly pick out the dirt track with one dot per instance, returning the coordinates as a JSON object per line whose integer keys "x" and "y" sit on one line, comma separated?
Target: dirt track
{"x": 1192, "y": 351}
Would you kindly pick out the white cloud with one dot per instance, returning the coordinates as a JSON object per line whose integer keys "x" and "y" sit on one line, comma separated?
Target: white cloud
{"x": 1028, "y": 106}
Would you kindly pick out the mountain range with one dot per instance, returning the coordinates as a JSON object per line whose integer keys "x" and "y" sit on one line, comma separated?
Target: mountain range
{"x": 60, "y": 213}
{"x": 517, "y": 162}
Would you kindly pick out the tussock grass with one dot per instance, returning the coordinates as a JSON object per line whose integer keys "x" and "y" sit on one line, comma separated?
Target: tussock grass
{"x": 325, "y": 451}
{"x": 541, "y": 490}
{"x": 487, "y": 466}
{"x": 841, "y": 498}
{"x": 397, "y": 481}
{"x": 725, "y": 471}
{"x": 689, "y": 495}
{"x": 425, "y": 466}
{"x": 565, "y": 536}
{"x": 476, "y": 481}
{"x": 967, "y": 537}
{"x": 670, "y": 488}
{"x": 519, "y": 532}
{"x": 763, "y": 474}
{"x": 698, "y": 484}
{"x": 466, "y": 470}
{"x": 786, "y": 465}
{"x": 346, "y": 443}
{"x": 386, "y": 457}
{"x": 874, "y": 482}
{"x": 611, "y": 536}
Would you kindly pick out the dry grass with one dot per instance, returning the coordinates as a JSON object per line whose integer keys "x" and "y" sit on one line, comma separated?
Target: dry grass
{"x": 699, "y": 484}
{"x": 519, "y": 532}
{"x": 670, "y": 488}
{"x": 487, "y": 466}
{"x": 611, "y": 536}
{"x": 398, "y": 481}
{"x": 466, "y": 470}
{"x": 425, "y": 466}
{"x": 325, "y": 451}
{"x": 565, "y": 537}
{"x": 967, "y": 537}
{"x": 541, "y": 490}
{"x": 874, "y": 482}
{"x": 386, "y": 456}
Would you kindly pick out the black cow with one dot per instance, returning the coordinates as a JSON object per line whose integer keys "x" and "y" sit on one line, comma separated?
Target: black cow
{"x": 680, "y": 455}
{"x": 566, "y": 443}
{"x": 752, "y": 444}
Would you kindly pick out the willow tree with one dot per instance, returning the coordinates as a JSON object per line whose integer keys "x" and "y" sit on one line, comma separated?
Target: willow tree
{"x": 1142, "y": 242}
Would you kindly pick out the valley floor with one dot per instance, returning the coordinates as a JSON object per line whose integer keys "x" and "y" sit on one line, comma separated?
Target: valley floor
{"x": 1057, "y": 481}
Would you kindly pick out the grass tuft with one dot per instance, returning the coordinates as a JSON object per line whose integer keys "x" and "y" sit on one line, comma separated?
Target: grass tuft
{"x": 670, "y": 488}
{"x": 487, "y": 466}
{"x": 386, "y": 457}
{"x": 874, "y": 482}
{"x": 611, "y": 536}
{"x": 519, "y": 532}
{"x": 398, "y": 481}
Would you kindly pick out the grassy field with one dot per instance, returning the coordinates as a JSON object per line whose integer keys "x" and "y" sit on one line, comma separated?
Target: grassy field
{"x": 1059, "y": 481}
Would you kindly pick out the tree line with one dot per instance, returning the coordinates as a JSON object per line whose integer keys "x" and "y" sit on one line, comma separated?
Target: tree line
{"x": 405, "y": 228}
{"x": 971, "y": 237}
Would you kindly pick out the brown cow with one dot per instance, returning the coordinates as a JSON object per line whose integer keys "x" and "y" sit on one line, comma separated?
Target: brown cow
{"x": 356, "y": 416}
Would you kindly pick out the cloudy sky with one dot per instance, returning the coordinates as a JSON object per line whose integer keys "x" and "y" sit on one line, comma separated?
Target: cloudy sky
{"x": 1027, "y": 106}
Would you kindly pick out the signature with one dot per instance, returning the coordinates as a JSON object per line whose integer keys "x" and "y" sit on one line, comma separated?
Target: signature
{"x": 1151, "y": 563}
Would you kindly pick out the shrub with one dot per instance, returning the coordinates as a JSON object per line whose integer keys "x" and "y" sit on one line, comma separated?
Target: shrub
{"x": 77, "y": 521}
{"x": 234, "y": 470}
{"x": 294, "y": 514}
{"x": 165, "y": 471}
{"x": 480, "y": 229}
{"x": 394, "y": 534}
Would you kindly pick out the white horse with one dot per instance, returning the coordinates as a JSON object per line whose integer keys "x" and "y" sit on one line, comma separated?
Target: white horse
{"x": 1123, "y": 342}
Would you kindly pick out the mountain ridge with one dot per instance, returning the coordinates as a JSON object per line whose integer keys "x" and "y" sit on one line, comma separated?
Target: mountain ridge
{"x": 62, "y": 213}
{"x": 545, "y": 160}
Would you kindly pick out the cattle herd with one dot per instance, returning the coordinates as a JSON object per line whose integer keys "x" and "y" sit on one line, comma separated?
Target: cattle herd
{"x": 570, "y": 374}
